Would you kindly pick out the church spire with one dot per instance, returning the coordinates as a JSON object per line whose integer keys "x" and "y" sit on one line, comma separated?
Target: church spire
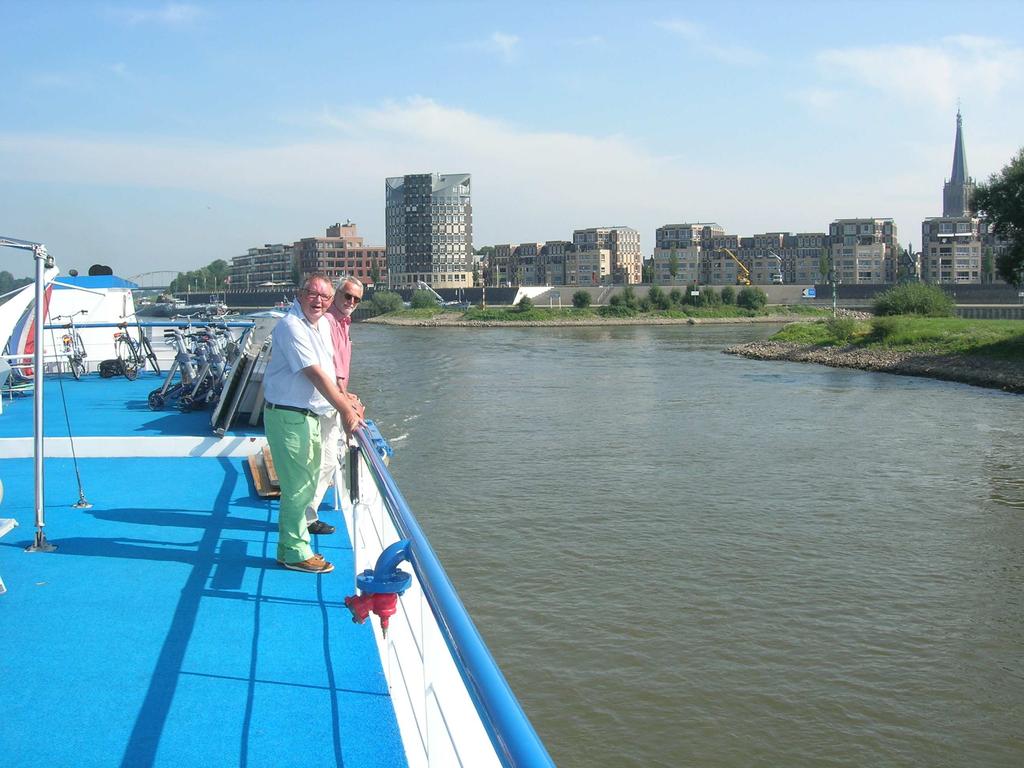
{"x": 956, "y": 195}
{"x": 959, "y": 174}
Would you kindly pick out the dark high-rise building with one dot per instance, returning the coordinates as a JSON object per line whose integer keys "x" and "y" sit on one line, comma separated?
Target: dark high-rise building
{"x": 429, "y": 230}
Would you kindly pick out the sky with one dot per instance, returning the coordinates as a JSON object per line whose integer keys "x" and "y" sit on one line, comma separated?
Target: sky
{"x": 154, "y": 136}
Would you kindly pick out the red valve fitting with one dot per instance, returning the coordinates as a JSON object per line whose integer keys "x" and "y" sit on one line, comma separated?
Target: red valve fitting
{"x": 384, "y": 604}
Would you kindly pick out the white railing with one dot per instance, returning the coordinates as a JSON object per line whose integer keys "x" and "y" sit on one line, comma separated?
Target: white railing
{"x": 453, "y": 705}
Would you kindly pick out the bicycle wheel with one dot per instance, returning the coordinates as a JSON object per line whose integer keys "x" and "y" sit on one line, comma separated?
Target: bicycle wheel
{"x": 128, "y": 354}
{"x": 78, "y": 357}
{"x": 148, "y": 352}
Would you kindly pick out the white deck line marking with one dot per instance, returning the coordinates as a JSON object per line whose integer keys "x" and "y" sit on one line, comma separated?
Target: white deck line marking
{"x": 111, "y": 447}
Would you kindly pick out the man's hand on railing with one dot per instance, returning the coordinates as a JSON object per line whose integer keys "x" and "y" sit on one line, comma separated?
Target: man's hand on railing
{"x": 351, "y": 419}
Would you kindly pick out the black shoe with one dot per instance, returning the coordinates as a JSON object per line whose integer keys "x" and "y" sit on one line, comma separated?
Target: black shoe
{"x": 320, "y": 527}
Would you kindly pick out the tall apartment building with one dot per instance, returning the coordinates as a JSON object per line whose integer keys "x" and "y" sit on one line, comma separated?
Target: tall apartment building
{"x": 588, "y": 266}
{"x": 796, "y": 257}
{"x": 271, "y": 263}
{"x": 951, "y": 249}
{"x": 678, "y": 248}
{"x": 805, "y": 258}
{"x": 864, "y": 250}
{"x": 341, "y": 253}
{"x": 529, "y": 263}
{"x": 429, "y": 230}
{"x": 501, "y": 266}
{"x": 717, "y": 267}
{"x": 623, "y": 243}
{"x": 698, "y": 251}
{"x": 551, "y": 262}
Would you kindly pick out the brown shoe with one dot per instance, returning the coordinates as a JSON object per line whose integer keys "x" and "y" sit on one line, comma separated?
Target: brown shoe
{"x": 315, "y": 564}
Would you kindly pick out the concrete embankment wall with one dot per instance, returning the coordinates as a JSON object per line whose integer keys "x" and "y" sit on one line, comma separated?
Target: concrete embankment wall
{"x": 976, "y": 301}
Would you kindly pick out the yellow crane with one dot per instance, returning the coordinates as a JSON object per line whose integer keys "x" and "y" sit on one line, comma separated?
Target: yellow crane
{"x": 742, "y": 273}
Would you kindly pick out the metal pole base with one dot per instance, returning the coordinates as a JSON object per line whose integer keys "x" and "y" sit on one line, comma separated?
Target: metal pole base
{"x": 41, "y": 544}
{"x": 82, "y": 503}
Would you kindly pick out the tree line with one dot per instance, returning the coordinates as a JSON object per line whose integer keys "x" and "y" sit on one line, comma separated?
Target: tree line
{"x": 9, "y": 282}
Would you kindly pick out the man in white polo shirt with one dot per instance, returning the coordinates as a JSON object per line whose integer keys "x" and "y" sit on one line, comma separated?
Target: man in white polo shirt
{"x": 339, "y": 317}
{"x": 299, "y": 386}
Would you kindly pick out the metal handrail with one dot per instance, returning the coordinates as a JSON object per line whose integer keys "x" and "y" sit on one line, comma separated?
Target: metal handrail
{"x": 165, "y": 324}
{"x": 514, "y": 739}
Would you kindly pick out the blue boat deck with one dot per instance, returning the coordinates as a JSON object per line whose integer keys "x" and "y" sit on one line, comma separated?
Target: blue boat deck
{"x": 162, "y": 632}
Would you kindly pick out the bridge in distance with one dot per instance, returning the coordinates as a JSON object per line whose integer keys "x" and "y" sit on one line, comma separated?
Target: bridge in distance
{"x": 154, "y": 281}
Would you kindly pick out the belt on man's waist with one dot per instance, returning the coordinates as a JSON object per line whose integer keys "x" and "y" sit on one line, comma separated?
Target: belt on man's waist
{"x": 303, "y": 411}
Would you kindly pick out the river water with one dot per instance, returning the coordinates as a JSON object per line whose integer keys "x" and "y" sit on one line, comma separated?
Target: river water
{"x": 680, "y": 557}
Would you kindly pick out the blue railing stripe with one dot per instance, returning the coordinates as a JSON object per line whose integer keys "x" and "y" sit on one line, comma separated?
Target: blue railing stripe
{"x": 513, "y": 736}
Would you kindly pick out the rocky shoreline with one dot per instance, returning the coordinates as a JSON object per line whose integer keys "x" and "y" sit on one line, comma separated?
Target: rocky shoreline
{"x": 1007, "y": 375}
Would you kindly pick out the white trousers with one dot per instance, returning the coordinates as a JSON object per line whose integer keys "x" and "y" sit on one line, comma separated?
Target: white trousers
{"x": 331, "y": 435}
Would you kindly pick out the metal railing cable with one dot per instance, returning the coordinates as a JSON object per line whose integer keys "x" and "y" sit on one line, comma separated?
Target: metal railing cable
{"x": 515, "y": 741}
{"x": 82, "y": 502}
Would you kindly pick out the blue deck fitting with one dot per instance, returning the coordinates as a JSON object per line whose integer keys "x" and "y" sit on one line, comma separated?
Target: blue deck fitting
{"x": 386, "y": 577}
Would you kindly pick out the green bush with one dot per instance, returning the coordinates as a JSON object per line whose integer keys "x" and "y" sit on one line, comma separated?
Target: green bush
{"x": 658, "y": 299}
{"x": 914, "y": 299}
{"x": 751, "y": 298}
{"x": 422, "y": 300}
{"x": 581, "y": 299}
{"x": 709, "y": 297}
{"x": 688, "y": 297}
{"x": 525, "y": 304}
{"x": 617, "y": 309}
{"x": 383, "y": 302}
{"x": 676, "y": 297}
{"x": 841, "y": 328}
{"x": 884, "y": 328}
{"x": 629, "y": 297}
{"x": 728, "y": 295}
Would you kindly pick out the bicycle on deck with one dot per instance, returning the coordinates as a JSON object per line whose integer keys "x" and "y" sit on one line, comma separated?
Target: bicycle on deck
{"x": 73, "y": 347}
{"x": 132, "y": 354}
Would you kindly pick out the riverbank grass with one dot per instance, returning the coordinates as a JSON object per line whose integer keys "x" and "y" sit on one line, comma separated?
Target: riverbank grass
{"x": 996, "y": 339}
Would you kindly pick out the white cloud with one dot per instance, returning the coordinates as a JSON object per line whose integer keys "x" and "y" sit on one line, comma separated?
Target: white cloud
{"x": 590, "y": 40}
{"x": 55, "y": 80}
{"x": 704, "y": 42}
{"x": 82, "y": 80}
{"x": 505, "y": 44}
{"x": 528, "y": 184}
{"x": 171, "y": 14}
{"x": 936, "y": 75}
{"x": 499, "y": 44}
{"x": 816, "y": 99}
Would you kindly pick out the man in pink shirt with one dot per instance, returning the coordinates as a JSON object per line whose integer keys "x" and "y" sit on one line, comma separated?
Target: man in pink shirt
{"x": 339, "y": 316}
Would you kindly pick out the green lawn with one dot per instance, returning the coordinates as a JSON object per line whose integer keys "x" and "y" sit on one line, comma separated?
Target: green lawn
{"x": 1001, "y": 339}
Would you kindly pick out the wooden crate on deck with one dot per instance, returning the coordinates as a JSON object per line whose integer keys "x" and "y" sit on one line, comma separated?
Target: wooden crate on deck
{"x": 264, "y": 477}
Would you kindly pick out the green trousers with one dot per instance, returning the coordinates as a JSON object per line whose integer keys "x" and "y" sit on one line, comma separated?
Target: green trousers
{"x": 294, "y": 441}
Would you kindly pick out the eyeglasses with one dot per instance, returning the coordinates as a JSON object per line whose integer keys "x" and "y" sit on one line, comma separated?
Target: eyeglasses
{"x": 354, "y": 299}
{"x": 313, "y": 296}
